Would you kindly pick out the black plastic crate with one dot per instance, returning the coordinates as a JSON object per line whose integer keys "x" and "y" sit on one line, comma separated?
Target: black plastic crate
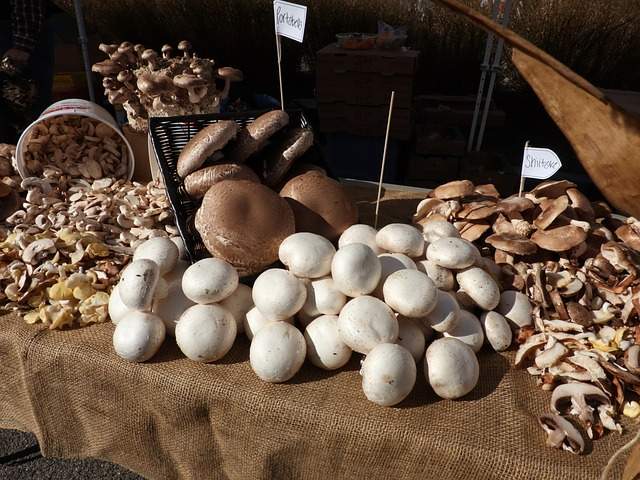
{"x": 169, "y": 136}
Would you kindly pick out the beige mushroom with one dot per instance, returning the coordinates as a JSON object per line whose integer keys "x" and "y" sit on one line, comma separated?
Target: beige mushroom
{"x": 356, "y": 270}
{"x": 454, "y": 253}
{"x": 391, "y": 263}
{"x": 444, "y": 316}
{"x": 410, "y": 293}
{"x": 388, "y": 374}
{"x": 442, "y": 277}
{"x": 553, "y": 352}
{"x": 512, "y": 243}
{"x": 451, "y": 368}
{"x": 278, "y": 294}
{"x": 360, "y": 233}
{"x": 559, "y": 239}
{"x": 515, "y": 306}
{"x": 323, "y": 298}
{"x": 436, "y": 230}
{"x": 401, "y": 238}
{"x": 307, "y": 255}
{"x": 411, "y": 336}
{"x": 468, "y": 330}
{"x": 578, "y": 395}
{"x": 365, "y": 322}
{"x": 480, "y": 286}
{"x": 561, "y": 433}
{"x": 496, "y": 330}
{"x": 325, "y": 349}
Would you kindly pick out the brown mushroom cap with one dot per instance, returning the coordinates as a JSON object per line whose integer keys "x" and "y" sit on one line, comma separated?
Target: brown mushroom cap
{"x": 280, "y": 159}
{"x": 320, "y": 204}
{"x": 513, "y": 206}
{"x": 559, "y": 239}
{"x": 188, "y": 80}
{"x": 244, "y": 222}
{"x": 471, "y": 231}
{"x": 198, "y": 183}
{"x": 629, "y": 236}
{"x": 488, "y": 190}
{"x": 632, "y": 359}
{"x": 184, "y": 46}
{"x": 231, "y": 74}
{"x": 254, "y": 138}
{"x": 166, "y": 50}
{"x": 455, "y": 189}
{"x": 106, "y": 68}
{"x": 204, "y": 144}
{"x": 154, "y": 84}
{"x": 581, "y": 205}
{"x": 551, "y": 211}
{"x": 552, "y": 188}
{"x": 512, "y": 243}
{"x": 425, "y": 207}
{"x": 108, "y": 49}
{"x": 477, "y": 210}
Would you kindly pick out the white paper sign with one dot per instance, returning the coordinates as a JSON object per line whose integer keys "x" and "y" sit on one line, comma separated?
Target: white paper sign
{"x": 290, "y": 19}
{"x": 539, "y": 163}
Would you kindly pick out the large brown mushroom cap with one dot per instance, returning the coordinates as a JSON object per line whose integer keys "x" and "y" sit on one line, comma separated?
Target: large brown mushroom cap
{"x": 559, "y": 239}
{"x": 455, "y": 189}
{"x": 512, "y": 243}
{"x": 477, "y": 210}
{"x": 629, "y": 236}
{"x": 204, "y": 144}
{"x": 281, "y": 158}
{"x": 198, "y": 183}
{"x": 244, "y": 222}
{"x": 551, "y": 211}
{"x": 254, "y": 138}
{"x": 552, "y": 188}
{"x": 514, "y": 206}
{"x": 581, "y": 205}
{"x": 320, "y": 204}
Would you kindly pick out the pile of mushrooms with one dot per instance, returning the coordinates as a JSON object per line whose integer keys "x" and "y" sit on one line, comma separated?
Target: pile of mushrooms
{"x": 578, "y": 263}
{"x": 379, "y": 294}
{"x": 149, "y": 84}
{"x": 61, "y": 251}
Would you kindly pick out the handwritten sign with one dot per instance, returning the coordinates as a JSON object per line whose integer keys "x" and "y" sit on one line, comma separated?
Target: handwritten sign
{"x": 290, "y": 19}
{"x": 539, "y": 163}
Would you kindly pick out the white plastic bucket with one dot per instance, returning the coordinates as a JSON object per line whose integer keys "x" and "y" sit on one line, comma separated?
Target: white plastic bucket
{"x": 71, "y": 106}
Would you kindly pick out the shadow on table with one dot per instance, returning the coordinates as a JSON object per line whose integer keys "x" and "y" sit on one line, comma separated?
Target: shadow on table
{"x": 239, "y": 353}
{"x": 493, "y": 368}
{"x": 168, "y": 352}
{"x": 310, "y": 373}
{"x": 398, "y": 210}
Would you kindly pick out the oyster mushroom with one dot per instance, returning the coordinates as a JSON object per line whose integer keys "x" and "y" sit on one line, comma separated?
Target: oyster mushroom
{"x": 561, "y": 433}
{"x": 559, "y": 239}
{"x": 578, "y": 395}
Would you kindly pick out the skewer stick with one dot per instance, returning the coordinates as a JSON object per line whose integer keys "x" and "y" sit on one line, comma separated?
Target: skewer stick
{"x": 384, "y": 158}
{"x": 522, "y": 176}
{"x": 279, "y": 51}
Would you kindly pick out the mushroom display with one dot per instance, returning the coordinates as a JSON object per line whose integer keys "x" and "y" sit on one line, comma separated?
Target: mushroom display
{"x": 325, "y": 348}
{"x": 307, "y": 255}
{"x": 205, "y": 333}
{"x": 138, "y": 336}
{"x": 278, "y": 294}
{"x": 451, "y": 368}
{"x": 388, "y": 374}
{"x": 277, "y": 352}
{"x": 147, "y": 84}
{"x": 209, "y": 280}
{"x": 356, "y": 270}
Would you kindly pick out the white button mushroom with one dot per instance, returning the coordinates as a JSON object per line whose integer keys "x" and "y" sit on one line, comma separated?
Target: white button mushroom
{"x": 162, "y": 289}
{"x": 323, "y": 298}
{"x": 209, "y": 280}
{"x": 453, "y": 253}
{"x": 388, "y": 374}
{"x": 170, "y": 308}
{"x": 278, "y": 294}
{"x": 205, "y": 333}
{"x": 182, "y": 251}
{"x": 390, "y": 263}
{"x": 161, "y": 250}
{"x": 411, "y": 336}
{"x": 307, "y": 255}
{"x": 360, "y": 233}
{"x": 325, "y": 349}
{"x": 138, "y": 336}
{"x": 277, "y": 352}
{"x": 480, "y": 286}
{"x": 451, "y": 368}
{"x": 254, "y": 321}
{"x": 401, "y": 238}
{"x": 238, "y": 304}
{"x": 442, "y": 277}
{"x": 355, "y": 270}
{"x": 496, "y": 330}
{"x": 138, "y": 284}
{"x": 117, "y": 309}
{"x": 444, "y": 316}
{"x": 468, "y": 330}
{"x": 410, "y": 293}
{"x": 515, "y": 306}
{"x": 365, "y": 321}
{"x": 437, "y": 229}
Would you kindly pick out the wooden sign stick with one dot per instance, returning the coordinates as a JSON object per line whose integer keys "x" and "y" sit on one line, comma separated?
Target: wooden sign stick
{"x": 279, "y": 51}
{"x": 522, "y": 176}
{"x": 384, "y": 158}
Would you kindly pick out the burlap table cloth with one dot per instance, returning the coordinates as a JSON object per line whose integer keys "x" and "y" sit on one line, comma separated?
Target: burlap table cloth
{"x": 174, "y": 418}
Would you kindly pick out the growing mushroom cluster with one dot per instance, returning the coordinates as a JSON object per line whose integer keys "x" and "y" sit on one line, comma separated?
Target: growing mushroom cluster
{"x": 62, "y": 250}
{"x": 147, "y": 83}
{"x": 377, "y": 294}
{"x": 578, "y": 263}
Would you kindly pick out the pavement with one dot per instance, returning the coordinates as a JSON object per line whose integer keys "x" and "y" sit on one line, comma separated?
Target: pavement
{"x": 20, "y": 459}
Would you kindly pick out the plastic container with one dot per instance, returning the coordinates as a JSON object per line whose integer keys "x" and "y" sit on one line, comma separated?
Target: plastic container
{"x": 76, "y": 107}
{"x": 170, "y": 135}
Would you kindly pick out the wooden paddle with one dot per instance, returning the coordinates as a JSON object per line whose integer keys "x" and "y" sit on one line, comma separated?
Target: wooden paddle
{"x": 606, "y": 138}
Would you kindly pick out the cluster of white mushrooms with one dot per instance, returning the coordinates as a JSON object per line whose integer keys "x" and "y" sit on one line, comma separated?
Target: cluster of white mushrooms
{"x": 377, "y": 295}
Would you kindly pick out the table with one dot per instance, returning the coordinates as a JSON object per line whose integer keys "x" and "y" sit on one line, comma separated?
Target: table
{"x": 174, "y": 418}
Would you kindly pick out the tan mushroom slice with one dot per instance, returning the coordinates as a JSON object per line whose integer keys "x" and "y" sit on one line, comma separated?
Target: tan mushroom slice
{"x": 627, "y": 377}
{"x": 578, "y": 396}
{"x": 559, "y": 239}
{"x": 529, "y": 348}
{"x": 617, "y": 256}
{"x": 561, "y": 433}
{"x": 455, "y": 189}
{"x": 512, "y": 243}
{"x": 590, "y": 364}
{"x": 551, "y": 211}
{"x": 471, "y": 231}
{"x": 581, "y": 205}
{"x": 632, "y": 359}
{"x": 563, "y": 326}
{"x": 553, "y": 352}
{"x": 629, "y": 236}
{"x": 552, "y": 188}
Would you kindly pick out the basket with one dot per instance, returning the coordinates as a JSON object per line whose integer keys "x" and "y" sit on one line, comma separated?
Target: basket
{"x": 169, "y": 136}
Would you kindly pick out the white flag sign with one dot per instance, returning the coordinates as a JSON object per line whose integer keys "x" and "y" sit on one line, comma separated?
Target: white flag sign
{"x": 539, "y": 163}
{"x": 290, "y": 19}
